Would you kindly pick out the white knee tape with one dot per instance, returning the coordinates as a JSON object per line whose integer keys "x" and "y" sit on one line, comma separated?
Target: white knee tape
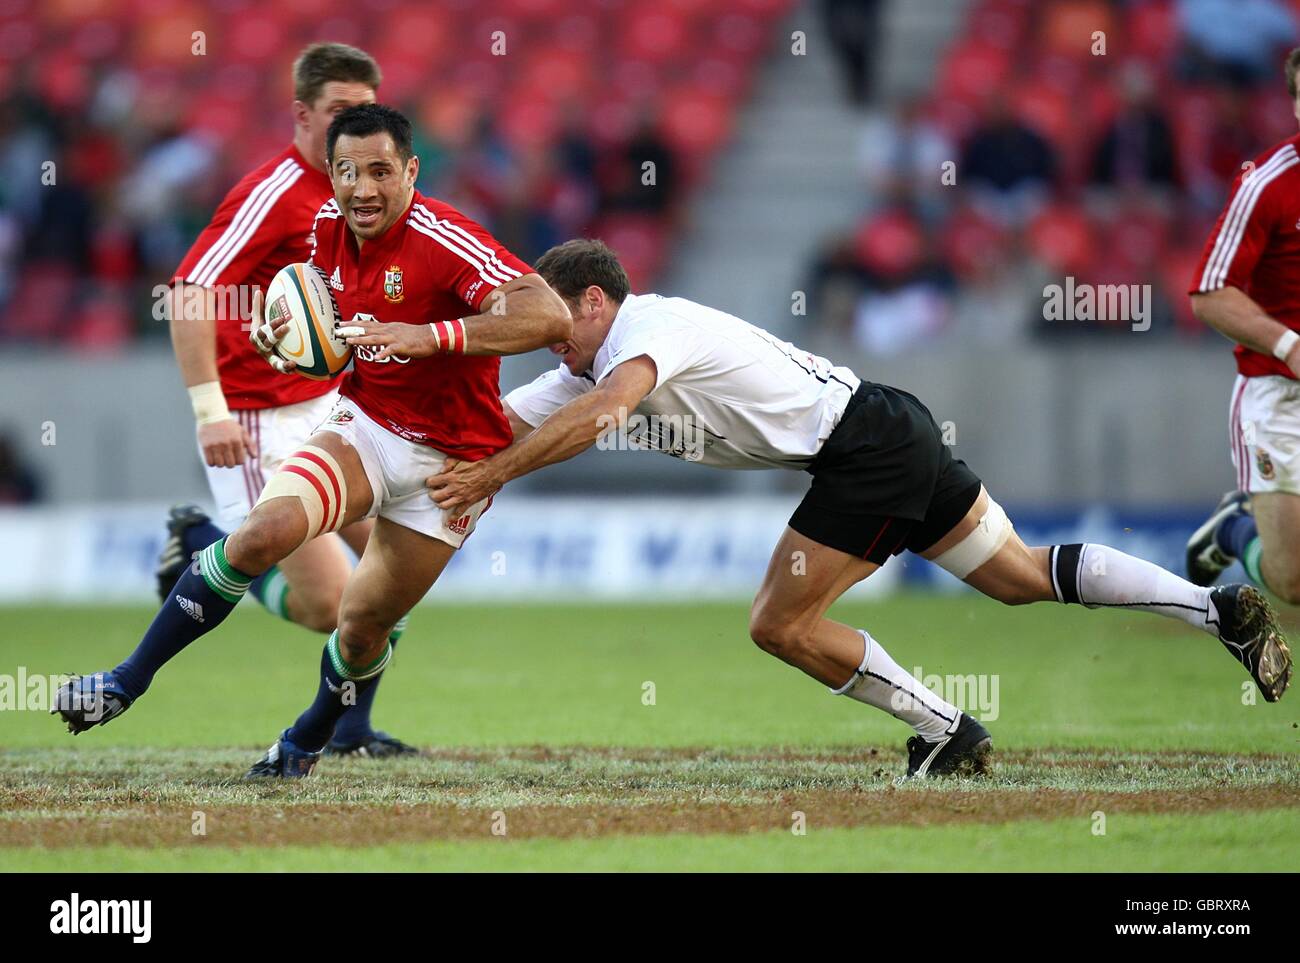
{"x": 314, "y": 477}
{"x": 980, "y": 545}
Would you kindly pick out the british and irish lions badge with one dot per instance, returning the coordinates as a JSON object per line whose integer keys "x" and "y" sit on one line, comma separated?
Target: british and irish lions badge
{"x": 1264, "y": 463}
{"x": 393, "y": 285}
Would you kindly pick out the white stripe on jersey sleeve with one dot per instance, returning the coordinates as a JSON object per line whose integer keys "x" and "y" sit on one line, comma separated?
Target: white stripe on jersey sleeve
{"x": 1238, "y": 216}
{"x": 489, "y": 268}
{"x": 237, "y": 222}
{"x": 1239, "y": 212}
{"x": 493, "y": 271}
{"x": 255, "y": 216}
{"x": 468, "y": 241}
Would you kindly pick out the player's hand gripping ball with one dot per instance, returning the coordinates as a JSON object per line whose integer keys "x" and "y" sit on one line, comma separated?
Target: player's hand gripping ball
{"x": 293, "y": 326}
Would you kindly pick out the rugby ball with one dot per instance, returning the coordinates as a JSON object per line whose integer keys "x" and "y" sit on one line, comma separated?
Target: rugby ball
{"x": 301, "y": 294}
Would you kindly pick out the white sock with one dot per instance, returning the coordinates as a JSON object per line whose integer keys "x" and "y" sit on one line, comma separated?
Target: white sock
{"x": 1098, "y": 576}
{"x": 879, "y": 681}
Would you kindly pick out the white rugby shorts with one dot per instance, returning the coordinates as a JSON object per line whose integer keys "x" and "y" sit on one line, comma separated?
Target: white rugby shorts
{"x": 397, "y": 469}
{"x": 277, "y": 433}
{"x": 1264, "y": 432}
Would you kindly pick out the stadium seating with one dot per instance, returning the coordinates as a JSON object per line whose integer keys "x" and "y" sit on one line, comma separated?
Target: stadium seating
{"x": 127, "y": 78}
{"x": 1039, "y": 61}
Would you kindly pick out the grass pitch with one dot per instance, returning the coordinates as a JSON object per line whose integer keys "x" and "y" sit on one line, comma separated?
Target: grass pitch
{"x": 1123, "y": 742}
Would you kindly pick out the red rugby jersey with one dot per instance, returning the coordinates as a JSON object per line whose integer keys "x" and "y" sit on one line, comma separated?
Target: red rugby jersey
{"x": 263, "y": 224}
{"x": 1255, "y": 246}
{"x": 433, "y": 264}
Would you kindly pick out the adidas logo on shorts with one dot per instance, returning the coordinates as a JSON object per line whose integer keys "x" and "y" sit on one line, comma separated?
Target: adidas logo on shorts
{"x": 193, "y": 609}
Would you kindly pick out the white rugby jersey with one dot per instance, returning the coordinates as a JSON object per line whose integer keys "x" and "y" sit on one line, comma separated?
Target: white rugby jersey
{"x": 727, "y": 393}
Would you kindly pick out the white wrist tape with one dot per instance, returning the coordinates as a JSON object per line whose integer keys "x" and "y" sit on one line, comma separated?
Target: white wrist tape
{"x": 209, "y": 403}
{"x": 1284, "y": 345}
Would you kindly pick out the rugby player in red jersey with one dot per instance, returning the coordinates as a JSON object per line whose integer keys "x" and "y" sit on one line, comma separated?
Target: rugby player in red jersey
{"x": 249, "y": 419}
{"x": 1247, "y": 287}
{"x": 424, "y": 386}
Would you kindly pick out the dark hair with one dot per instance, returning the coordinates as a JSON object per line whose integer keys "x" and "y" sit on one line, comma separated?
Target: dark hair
{"x": 322, "y": 63}
{"x": 1292, "y": 65}
{"x": 572, "y": 267}
{"x": 366, "y": 119}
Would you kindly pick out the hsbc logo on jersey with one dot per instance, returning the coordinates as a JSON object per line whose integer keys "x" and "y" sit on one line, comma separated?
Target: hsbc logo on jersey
{"x": 368, "y": 352}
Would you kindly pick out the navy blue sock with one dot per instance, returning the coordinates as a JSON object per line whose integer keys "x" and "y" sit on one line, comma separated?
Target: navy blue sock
{"x": 355, "y": 723}
{"x": 1234, "y": 534}
{"x": 341, "y": 688}
{"x": 203, "y": 596}
{"x": 198, "y": 537}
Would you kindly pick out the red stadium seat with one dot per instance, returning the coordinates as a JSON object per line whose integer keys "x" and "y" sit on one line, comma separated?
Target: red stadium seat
{"x": 638, "y": 240}
{"x": 971, "y": 241}
{"x": 1151, "y": 32}
{"x": 1062, "y": 238}
{"x": 737, "y": 37}
{"x": 1001, "y": 23}
{"x": 41, "y": 304}
{"x": 973, "y": 71}
{"x": 1068, "y": 27}
{"x": 654, "y": 34}
{"x": 696, "y": 122}
{"x": 889, "y": 244}
{"x": 558, "y": 74}
{"x": 255, "y": 37}
{"x": 103, "y": 321}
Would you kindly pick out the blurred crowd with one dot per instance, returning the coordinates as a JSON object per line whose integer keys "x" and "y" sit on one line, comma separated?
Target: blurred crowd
{"x": 1079, "y": 139}
{"x": 122, "y": 123}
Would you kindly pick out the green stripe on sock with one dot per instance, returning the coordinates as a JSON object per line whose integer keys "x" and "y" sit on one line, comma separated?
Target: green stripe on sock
{"x": 275, "y": 595}
{"x": 220, "y": 575}
{"x": 347, "y": 671}
{"x": 1250, "y": 560}
{"x": 227, "y": 570}
{"x": 398, "y": 629}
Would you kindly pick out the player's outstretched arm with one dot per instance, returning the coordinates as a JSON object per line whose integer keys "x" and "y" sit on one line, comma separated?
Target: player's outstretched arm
{"x": 570, "y": 429}
{"x": 1234, "y": 314}
{"x": 519, "y": 316}
{"x": 192, "y": 320}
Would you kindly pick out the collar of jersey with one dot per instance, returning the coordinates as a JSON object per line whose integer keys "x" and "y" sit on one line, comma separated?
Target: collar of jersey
{"x": 601, "y": 361}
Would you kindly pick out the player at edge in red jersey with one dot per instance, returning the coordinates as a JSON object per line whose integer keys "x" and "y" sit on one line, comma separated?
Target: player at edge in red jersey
{"x": 1247, "y": 287}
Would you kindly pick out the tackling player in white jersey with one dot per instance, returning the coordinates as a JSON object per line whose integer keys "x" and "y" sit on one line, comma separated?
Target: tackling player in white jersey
{"x": 711, "y": 388}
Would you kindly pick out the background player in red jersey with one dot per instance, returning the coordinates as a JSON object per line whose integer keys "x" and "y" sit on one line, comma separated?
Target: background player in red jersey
{"x": 250, "y": 418}
{"x": 424, "y": 386}
{"x": 1247, "y": 286}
